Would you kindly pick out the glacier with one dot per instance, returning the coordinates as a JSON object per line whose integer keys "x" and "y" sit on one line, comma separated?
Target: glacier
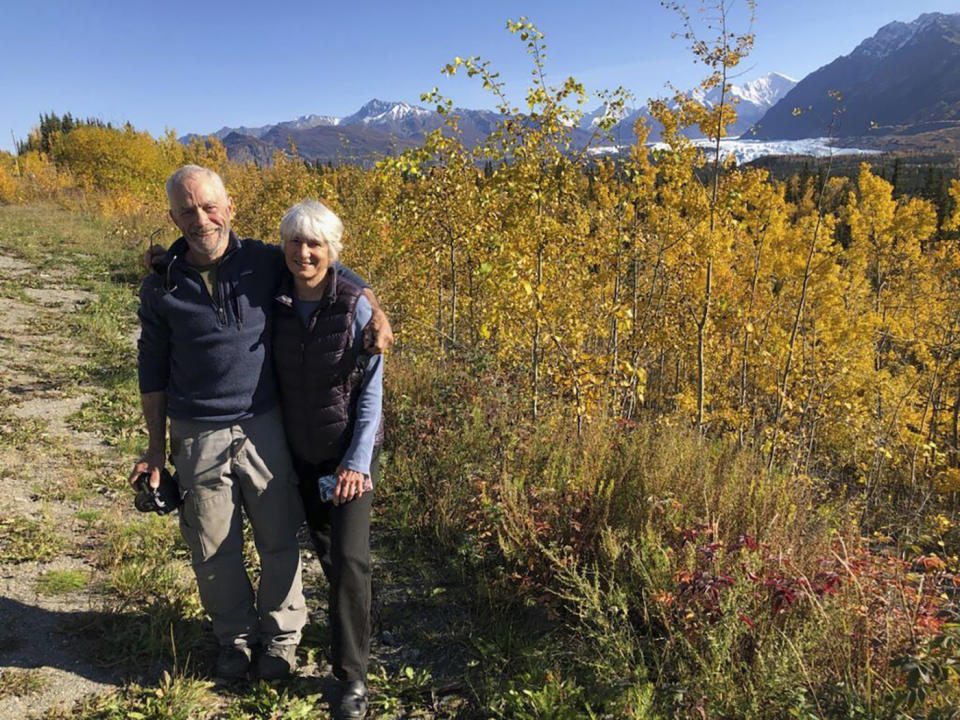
{"x": 745, "y": 151}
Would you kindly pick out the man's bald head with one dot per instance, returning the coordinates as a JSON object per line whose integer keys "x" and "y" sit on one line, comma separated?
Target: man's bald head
{"x": 181, "y": 174}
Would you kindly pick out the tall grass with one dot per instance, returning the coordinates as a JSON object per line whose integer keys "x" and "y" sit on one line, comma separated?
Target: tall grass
{"x": 690, "y": 579}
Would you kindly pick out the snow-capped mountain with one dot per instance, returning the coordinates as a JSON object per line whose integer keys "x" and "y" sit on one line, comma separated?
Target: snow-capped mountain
{"x": 386, "y": 113}
{"x": 593, "y": 119}
{"x": 753, "y": 99}
{"x": 902, "y": 79}
{"x": 764, "y": 92}
{"x": 305, "y": 122}
{"x": 398, "y": 118}
{"x": 379, "y": 127}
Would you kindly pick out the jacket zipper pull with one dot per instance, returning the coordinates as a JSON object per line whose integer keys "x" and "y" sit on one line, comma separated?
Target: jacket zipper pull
{"x": 236, "y": 306}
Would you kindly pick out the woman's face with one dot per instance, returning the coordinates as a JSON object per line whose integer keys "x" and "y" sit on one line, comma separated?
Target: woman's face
{"x": 307, "y": 259}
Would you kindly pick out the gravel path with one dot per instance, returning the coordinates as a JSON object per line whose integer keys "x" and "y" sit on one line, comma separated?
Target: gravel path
{"x": 38, "y": 455}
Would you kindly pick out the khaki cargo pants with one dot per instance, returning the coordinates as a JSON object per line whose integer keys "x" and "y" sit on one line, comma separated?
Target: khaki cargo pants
{"x": 223, "y": 466}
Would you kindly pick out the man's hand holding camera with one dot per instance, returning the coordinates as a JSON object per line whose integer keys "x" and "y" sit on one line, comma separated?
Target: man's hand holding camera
{"x": 151, "y": 464}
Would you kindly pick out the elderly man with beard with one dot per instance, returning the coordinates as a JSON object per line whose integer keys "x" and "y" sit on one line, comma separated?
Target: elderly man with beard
{"x": 205, "y": 363}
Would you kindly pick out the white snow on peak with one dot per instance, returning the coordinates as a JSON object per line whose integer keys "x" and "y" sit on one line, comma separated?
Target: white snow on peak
{"x": 378, "y": 112}
{"x": 604, "y": 112}
{"x": 402, "y": 110}
{"x": 765, "y": 91}
{"x": 317, "y": 120}
{"x": 756, "y": 97}
{"x": 305, "y": 122}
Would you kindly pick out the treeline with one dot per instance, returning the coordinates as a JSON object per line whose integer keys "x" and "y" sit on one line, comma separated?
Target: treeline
{"x": 52, "y": 127}
{"x": 922, "y": 175}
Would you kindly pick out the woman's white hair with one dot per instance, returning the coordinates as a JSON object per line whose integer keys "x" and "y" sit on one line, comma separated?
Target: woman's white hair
{"x": 312, "y": 220}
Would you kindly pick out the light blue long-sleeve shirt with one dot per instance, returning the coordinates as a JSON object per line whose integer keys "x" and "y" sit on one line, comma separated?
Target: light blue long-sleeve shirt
{"x": 370, "y": 399}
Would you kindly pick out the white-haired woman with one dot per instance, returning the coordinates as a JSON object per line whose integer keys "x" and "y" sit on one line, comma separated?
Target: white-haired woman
{"x": 331, "y": 396}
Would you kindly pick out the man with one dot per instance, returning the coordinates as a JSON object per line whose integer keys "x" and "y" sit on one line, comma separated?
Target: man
{"x": 205, "y": 362}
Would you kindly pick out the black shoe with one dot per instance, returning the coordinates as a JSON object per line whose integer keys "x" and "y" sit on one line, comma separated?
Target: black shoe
{"x": 233, "y": 662}
{"x": 353, "y": 701}
{"x": 277, "y": 662}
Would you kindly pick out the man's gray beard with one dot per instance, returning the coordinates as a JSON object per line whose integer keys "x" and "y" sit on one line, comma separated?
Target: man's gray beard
{"x": 222, "y": 239}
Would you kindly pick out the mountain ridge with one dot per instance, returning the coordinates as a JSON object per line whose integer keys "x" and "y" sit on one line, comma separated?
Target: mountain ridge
{"x": 382, "y": 126}
{"x": 905, "y": 74}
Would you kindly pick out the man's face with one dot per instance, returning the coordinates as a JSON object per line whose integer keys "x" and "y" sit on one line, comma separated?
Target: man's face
{"x": 202, "y": 213}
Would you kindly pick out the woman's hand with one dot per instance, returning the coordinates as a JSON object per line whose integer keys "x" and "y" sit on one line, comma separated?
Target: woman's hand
{"x": 350, "y": 485}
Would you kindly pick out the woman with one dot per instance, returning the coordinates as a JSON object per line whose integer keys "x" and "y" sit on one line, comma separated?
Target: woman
{"x": 330, "y": 393}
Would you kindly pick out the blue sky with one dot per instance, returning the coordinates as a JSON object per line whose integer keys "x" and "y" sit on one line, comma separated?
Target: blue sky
{"x": 195, "y": 67}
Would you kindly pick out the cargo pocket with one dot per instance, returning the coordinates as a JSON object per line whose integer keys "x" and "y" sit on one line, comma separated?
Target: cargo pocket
{"x": 206, "y": 517}
{"x": 188, "y": 523}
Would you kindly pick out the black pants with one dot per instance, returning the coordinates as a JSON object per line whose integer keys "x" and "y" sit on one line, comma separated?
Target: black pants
{"x": 341, "y": 536}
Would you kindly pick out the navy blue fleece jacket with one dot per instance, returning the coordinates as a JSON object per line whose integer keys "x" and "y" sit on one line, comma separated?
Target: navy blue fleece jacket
{"x": 212, "y": 356}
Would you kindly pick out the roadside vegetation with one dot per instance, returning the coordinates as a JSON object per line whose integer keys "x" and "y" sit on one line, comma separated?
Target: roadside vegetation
{"x": 675, "y": 439}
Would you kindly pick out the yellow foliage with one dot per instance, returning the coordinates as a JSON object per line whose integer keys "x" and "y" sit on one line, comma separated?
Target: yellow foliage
{"x": 119, "y": 161}
{"x": 614, "y": 289}
{"x": 8, "y": 179}
{"x": 207, "y": 152}
{"x": 261, "y": 196}
{"x": 39, "y": 178}
{"x": 948, "y": 481}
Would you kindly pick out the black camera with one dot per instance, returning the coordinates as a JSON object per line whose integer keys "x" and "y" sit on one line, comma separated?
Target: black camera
{"x": 163, "y": 499}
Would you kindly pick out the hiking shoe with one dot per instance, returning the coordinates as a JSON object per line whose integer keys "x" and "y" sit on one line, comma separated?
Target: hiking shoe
{"x": 353, "y": 701}
{"x": 233, "y": 661}
{"x": 277, "y": 662}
